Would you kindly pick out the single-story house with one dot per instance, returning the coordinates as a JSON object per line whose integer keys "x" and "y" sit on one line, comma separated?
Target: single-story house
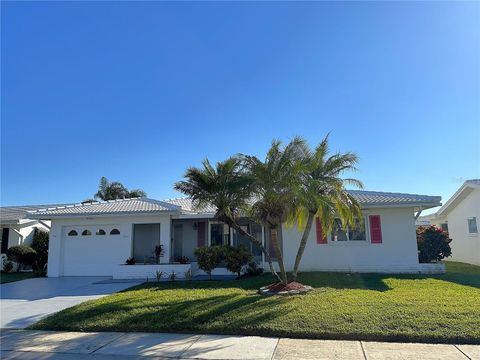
{"x": 97, "y": 238}
{"x": 15, "y": 226}
{"x": 17, "y": 229}
{"x": 460, "y": 216}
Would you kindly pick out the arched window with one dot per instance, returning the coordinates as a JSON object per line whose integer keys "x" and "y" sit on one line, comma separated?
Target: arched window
{"x": 115, "y": 232}
{"x": 72, "y": 233}
{"x": 101, "y": 232}
{"x": 86, "y": 232}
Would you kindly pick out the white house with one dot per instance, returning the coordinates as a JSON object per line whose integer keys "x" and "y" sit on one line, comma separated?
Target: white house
{"x": 460, "y": 216}
{"x": 97, "y": 238}
{"x": 16, "y": 228}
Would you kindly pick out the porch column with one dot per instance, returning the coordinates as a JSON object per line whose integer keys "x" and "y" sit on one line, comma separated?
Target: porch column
{"x": 165, "y": 238}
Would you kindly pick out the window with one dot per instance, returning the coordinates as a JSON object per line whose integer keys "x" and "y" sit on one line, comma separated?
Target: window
{"x": 72, "y": 233}
{"x": 444, "y": 226}
{"x": 355, "y": 232}
{"x": 219, "y": 234}
{"x": 100, "y": 232}
{"x": 472, "y": 225}
{"x": 115, "y": 232}
{"x": 86, "y": 233}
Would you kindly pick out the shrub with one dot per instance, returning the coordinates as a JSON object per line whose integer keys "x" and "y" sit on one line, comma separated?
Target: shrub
{"x": 236, "y": 258}
{"x": 253, "y": 269}
{"x": 7, "y": 266}
{"x": 182, "y": 259}
{"x": 130, "y": 261}
{"x": 208, "y": 258}
{"x": 433, "y": 244}
{"x": 24, "y": 255}
{"x": 40, "y": 245}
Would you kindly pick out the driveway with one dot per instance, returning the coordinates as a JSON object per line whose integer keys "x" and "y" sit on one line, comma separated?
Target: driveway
{"x": 27, "y": 301}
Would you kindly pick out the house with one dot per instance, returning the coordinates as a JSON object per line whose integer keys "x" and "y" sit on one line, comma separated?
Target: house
{"x": 16, "y": 228}
{"x": 460, "y": 216}
{"x": 97, "y": 238}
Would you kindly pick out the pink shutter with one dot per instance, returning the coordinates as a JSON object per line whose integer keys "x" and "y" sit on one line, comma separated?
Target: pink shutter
{"x": 375, "y": 229}
{"x": 201, "y": 234}
{"x": 321, "y": 239}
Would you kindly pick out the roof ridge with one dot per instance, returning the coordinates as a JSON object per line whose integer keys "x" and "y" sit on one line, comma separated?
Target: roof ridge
{"x": 89, "y": 203}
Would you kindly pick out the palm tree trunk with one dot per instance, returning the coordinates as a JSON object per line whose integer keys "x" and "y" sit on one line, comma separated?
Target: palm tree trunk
{"x": 276, "y": 246}
{"x": 303, "y": 242}
{"x": 260, "y": 245}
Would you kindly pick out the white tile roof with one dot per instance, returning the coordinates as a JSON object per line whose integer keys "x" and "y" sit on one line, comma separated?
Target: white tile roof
{"x": 376, "y": 199}
{"x": 121, "y": 206}
{"x": 367, "y": 199}
{"x": 12, "y": 214}
{"x": 149, "y": 206}
{"x": 187, "y": 206}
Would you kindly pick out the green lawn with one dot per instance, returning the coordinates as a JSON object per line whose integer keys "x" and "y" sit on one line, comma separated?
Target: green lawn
{"x": 440, "y": 308}
{"x": 14, "y": 276}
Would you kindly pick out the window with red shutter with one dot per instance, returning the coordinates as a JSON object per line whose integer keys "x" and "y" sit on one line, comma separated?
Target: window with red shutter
{"x": 321, "y": 239}
{"x": 375, "y": 229}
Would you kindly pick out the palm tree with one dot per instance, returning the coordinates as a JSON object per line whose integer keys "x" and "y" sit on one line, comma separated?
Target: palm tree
{"x": 228, "y": 188}
{"x": 115, "y": 190}
{"x": 275, "y": 186}
{"x": 322, "y": 193}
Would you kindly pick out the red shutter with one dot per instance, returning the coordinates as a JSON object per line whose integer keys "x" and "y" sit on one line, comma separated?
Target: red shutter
{"x": 375, "y": 229}
{"x": 201, "y": 234}
{"x": 320, "y": 238}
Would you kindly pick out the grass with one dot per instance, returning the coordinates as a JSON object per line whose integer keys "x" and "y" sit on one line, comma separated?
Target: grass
{"x": 14, "y": 276}
{"x": 435, "y": 308}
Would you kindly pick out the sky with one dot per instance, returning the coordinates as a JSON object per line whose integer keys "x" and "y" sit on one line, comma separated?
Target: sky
{"x": 139, "y": 91}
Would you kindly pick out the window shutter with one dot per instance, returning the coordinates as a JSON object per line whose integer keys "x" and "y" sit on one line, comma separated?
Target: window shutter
{"x": 201, "y": 234}
{"x": 320, "y": 238}
{"x": 375, "y": 229}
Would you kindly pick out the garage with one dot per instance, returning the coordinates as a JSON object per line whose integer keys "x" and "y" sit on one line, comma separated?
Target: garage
{"x": 93, "y": 250}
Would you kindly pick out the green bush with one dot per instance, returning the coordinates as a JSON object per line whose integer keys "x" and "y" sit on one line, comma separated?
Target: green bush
{"x": 433, "y": 244}
{"x": 24, "y": 255}
{"x": 40, "y": 245}
{"x": 236, "y": 258}
{"x": 7, "y": 266}
{"x": 209, "y": 257}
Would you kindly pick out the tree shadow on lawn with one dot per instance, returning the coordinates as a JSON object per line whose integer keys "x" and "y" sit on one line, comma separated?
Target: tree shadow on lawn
{"x": 209, "y": 314}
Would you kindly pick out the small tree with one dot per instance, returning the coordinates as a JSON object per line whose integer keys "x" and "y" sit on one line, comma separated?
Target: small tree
{"x": 208, "y": 258}
{"x": 433, "y": 244}
{"x": 40, "y": 245}
{"x": 23, "y": 255}
{"x": 236, "y": 258}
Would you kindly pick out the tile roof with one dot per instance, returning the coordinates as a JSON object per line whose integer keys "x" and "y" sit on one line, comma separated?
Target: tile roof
{"x": 365, "y": 198}
{"x": 376, "y": 198}
{"x": 121, "y": 206}
{"x": 187, "y": 206}
{"x": 9, "y": 214}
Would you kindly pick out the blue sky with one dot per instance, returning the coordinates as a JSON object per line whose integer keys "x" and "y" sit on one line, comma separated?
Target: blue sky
{"x": 137, "y": 92}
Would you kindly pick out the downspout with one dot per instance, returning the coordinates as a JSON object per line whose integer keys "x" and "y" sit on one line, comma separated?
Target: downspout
{"x": 18, "y": 233}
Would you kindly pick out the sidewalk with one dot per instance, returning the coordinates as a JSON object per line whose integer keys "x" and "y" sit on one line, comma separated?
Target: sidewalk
{"x": 43, "y": 345}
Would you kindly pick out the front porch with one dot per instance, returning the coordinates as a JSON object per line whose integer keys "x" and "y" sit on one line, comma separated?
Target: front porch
{"x": 189, "y": 234}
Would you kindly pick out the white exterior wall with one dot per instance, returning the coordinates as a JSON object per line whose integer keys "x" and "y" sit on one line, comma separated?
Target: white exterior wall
{"x": 397, "y": 253}
{"x": 119, "y": 253}
{"x": 465, "y": 246}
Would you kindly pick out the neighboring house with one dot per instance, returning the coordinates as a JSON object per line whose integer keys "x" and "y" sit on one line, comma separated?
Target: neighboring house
{"x": 460, "y": 216}
{"x": 97, "y": 238}
{"x": 424, "y": 220}
{"x": 16, "y": 228}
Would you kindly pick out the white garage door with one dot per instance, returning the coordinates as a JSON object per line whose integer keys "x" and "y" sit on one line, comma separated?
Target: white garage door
{"x": 93, "y": 250}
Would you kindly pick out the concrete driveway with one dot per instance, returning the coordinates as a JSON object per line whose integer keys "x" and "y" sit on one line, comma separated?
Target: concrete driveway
{"x": 27, "y": 301}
